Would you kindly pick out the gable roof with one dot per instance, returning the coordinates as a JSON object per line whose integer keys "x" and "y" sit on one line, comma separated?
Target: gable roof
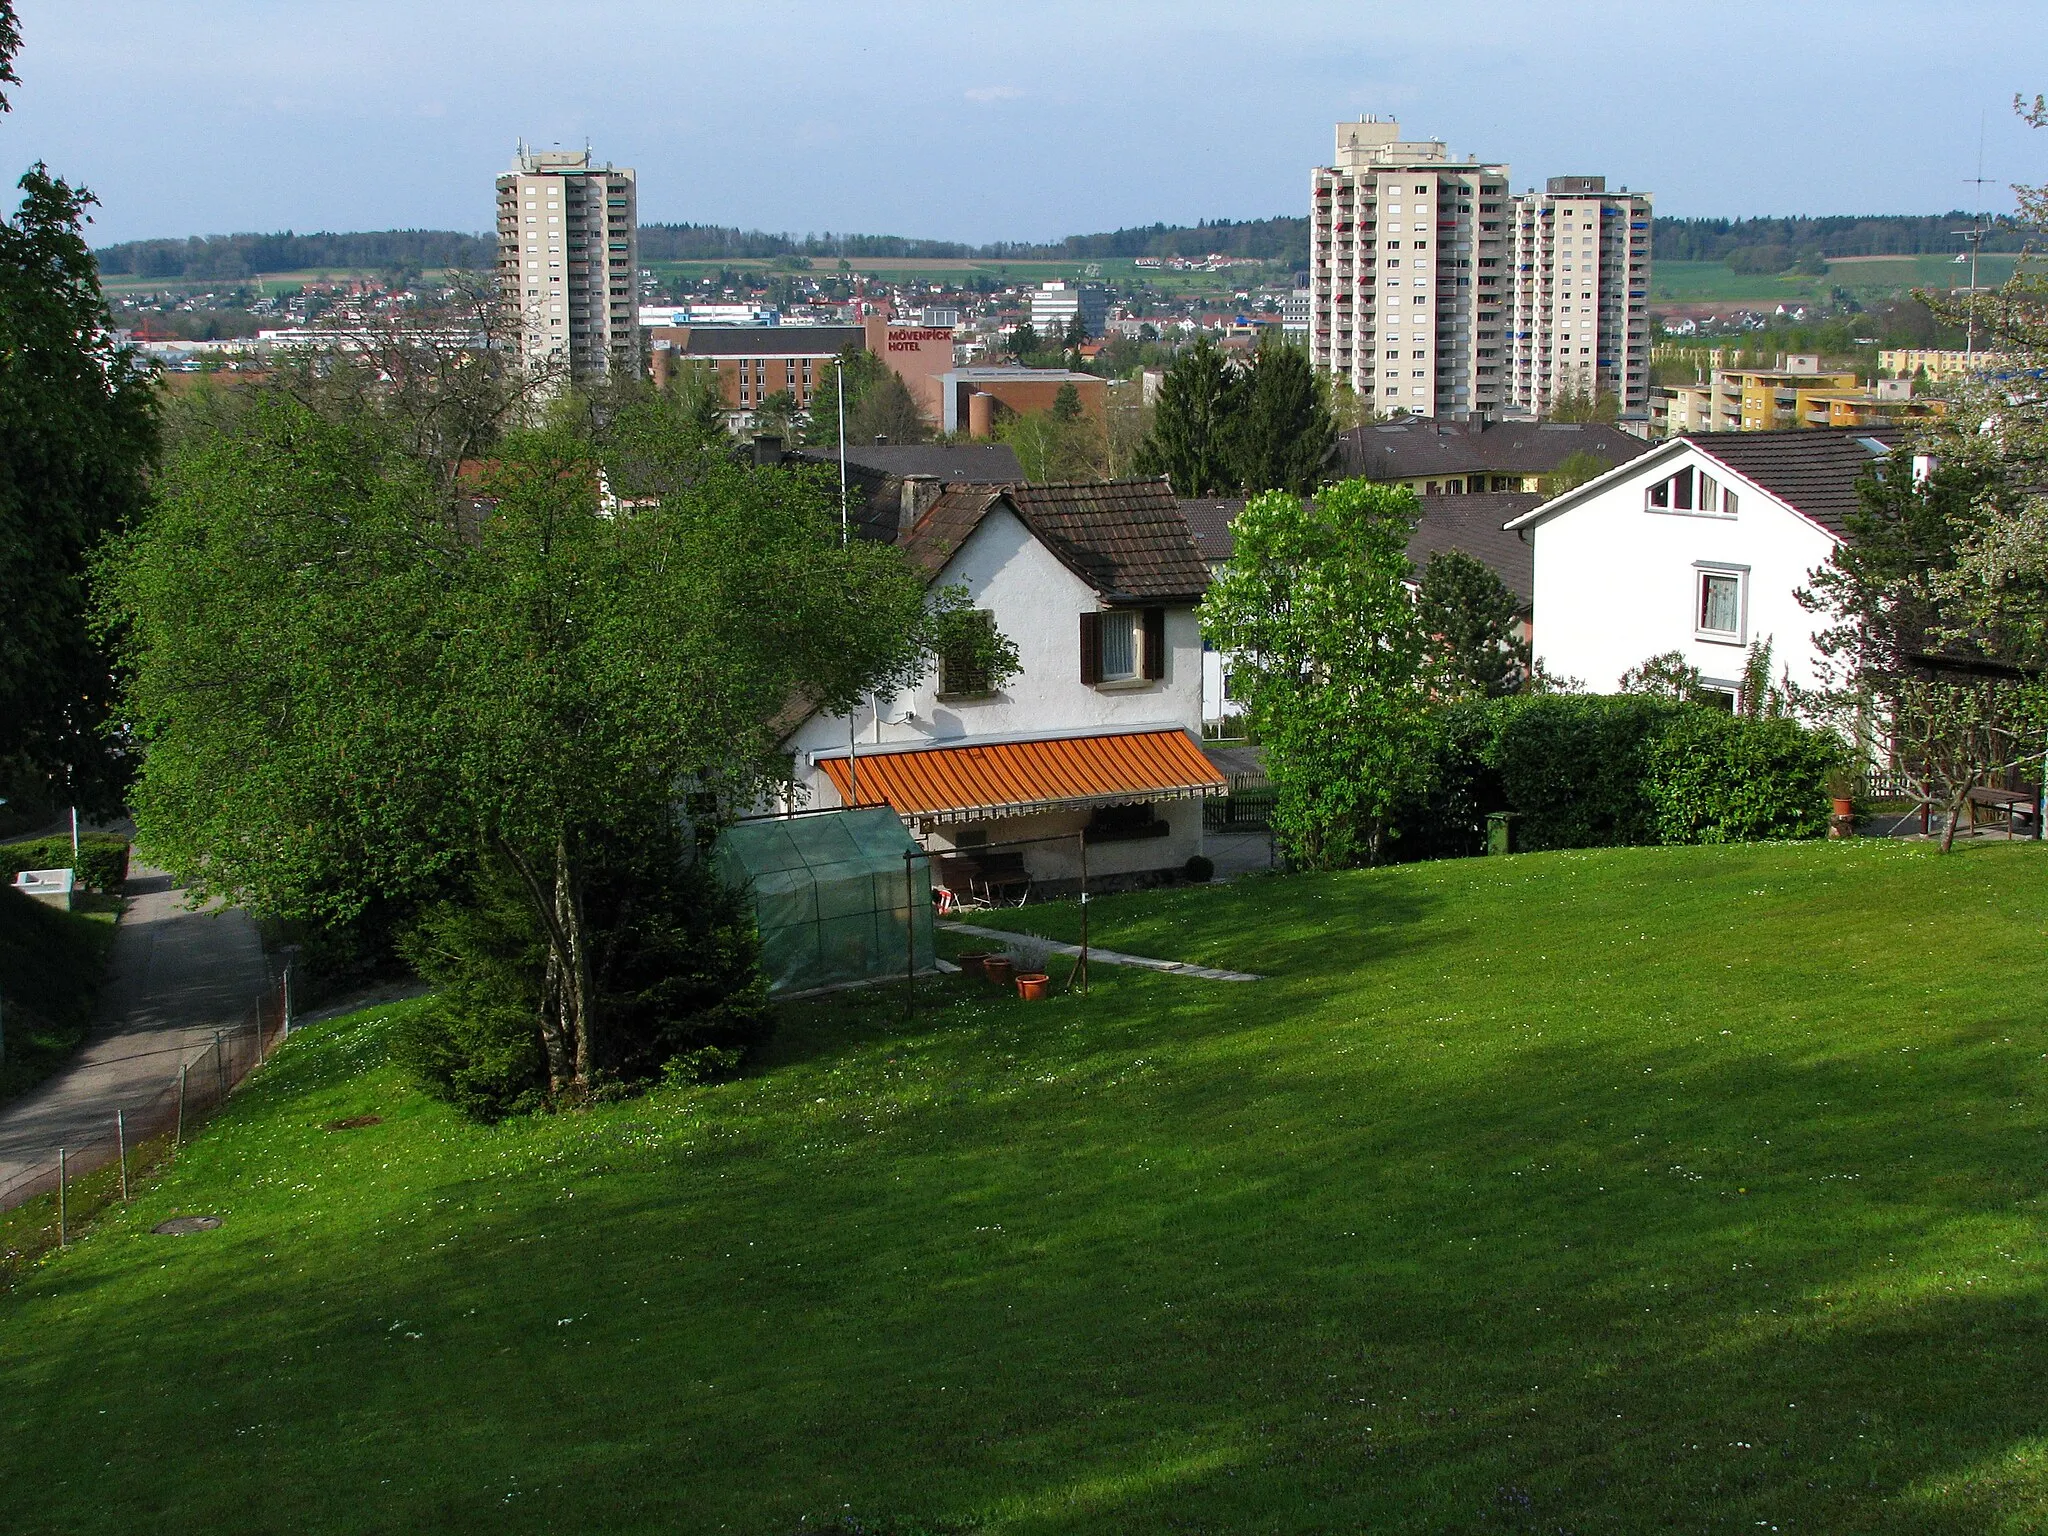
{"x": 1209, "y": 519}
{"x": 975, "y": 463}
{"x": 1813, "y": 470}
{"x": 1475, "y": 525}
{"x": 1127, "y": 539}
{"x": 1401, "y": 450}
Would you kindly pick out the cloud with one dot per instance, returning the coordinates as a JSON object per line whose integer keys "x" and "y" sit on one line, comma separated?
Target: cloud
{"x": 994, "y": 93}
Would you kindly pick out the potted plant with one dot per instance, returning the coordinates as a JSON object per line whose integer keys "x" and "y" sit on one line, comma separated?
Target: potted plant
{"x": 1842, "y": 791}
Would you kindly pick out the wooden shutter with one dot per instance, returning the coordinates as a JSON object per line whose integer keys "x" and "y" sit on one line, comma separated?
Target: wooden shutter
{"x": 1091, "y": 647}
{"x": 1155, "y": 643}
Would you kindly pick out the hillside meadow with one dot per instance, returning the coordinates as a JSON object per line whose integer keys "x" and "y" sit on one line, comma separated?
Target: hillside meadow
{"x": 1629, "y": 1190}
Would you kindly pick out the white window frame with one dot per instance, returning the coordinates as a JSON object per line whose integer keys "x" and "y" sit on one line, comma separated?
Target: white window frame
{"x": 1702, "y": 571}
{"x": 1725, "y": 493}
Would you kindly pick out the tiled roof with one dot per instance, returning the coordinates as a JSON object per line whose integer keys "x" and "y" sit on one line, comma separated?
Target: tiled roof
{"x": 1472, "y": 525}
{"x": 1209, "y": 519}
{"x": 972, "y": 463}
{"x": 967, "y": 782}
{"x": 1126, "y": 539}
{"x": 1469, "y": 523}
{"x": 1813, "y": 469}
{"x": 1401, "y": 450}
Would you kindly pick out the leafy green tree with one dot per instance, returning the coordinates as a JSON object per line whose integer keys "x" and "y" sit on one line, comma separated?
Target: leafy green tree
{"x": 1329, "y": 659}
{"x": 1285, "y": 436}
{"x": 1024, "y": 342}
{"x": 854, "y": 372}
{"x": 78, "y": 433}
{"x": 352, "y": 686}
{"x": 1052, "y": 447}
{"x": 1573, "y": 471}
{"x": 1667, "y": 675}
{"x": 1076, "y": 333}
{"x": 772, "y": 417}
{"x": 1193, "y": 424}
{"x": 1474, "y": 627}
{"x": 1578, "y": 406}
{"x": 1066, "y": 404}
{"x": 887, "y": 409}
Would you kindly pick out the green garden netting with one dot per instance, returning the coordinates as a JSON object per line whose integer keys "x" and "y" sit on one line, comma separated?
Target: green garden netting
{"x": 829, "y": 895}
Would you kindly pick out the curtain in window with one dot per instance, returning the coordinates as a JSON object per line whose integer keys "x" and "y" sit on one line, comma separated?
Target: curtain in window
{"x": 1720, "y": 604}
{"x": 1119, "y": 645}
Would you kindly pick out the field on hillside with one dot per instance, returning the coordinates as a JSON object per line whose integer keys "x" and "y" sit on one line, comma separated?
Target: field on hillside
{"x": 1630, "y": 1190}
{"x": 1714, "y": 282}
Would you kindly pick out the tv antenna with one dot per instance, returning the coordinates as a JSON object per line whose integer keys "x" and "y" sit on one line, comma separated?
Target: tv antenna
{"x": 1974, "y": 238}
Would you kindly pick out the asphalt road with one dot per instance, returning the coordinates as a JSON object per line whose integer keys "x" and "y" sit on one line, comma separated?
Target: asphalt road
{"x": 175, "y": 976}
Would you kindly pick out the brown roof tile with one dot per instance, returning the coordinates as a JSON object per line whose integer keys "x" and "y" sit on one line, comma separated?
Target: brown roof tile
{"x": 1400, "y": 450}
{"x": 1813, "y": 469}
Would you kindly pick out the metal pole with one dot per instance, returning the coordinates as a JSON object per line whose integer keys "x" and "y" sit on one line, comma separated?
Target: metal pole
{"x": 121, "y": 1145}
{"x": 179, "y": 1142}
{"x": 63, "y": 1215}
{"x": 74, "y": 809}
{"x": 220, "y": 1069}
{"x": 1084, "y": 914}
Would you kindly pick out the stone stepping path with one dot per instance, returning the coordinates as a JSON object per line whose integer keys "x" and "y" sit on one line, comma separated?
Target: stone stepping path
{"x": 1031, "y": 943}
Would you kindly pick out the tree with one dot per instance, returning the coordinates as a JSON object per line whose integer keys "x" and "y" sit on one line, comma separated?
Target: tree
{"x": 1285, "y": 435}
{"x": 1665, "y": 676}
{"x": 774, "y": 413}
{"x": 78, "y": 434}
{"x": 853, "y": 373}
{"x": 1193, "y": 422}
{"x": 1474, "y": 627}
{"x": 352, "y": 687}
{"x": 1314, "y": 608}
{"x": 1573, "y": 471}
{"x": 1053, "y": 445}
{"x": 1076, "y": 334}
{"x": 1024, "y": 342}
{"x": 1577, "y": 405}
{"x": 887, "y": 409}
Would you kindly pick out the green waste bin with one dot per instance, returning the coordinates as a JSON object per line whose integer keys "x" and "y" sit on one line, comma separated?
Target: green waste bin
{"x": 1500, "y": 832}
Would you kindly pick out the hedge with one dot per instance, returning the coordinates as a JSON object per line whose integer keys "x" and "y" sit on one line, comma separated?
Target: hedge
{"x": 102, "y": 859}
{"x": 1606, "y": 770}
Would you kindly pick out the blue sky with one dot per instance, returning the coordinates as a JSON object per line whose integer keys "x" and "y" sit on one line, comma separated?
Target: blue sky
{"x": 980, "y": 121}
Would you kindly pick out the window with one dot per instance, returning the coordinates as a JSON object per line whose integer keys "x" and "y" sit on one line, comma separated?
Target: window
{"x": 1121, "y": 645}
{"x": 1690, "y": 491}
{"x": 1718, "y": 613}
{"x": 963, "y": 668}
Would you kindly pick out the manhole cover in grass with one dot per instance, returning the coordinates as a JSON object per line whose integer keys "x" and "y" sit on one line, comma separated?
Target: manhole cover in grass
{"x": 180, "y": 1226}
{"x": 353, "y": 1123}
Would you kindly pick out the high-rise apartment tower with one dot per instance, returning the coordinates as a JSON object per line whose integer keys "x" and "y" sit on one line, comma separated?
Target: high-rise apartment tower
{"x": 569, "y": 263}
{"x": 1408, "y": 273}
{"x": 1581, "y": 320}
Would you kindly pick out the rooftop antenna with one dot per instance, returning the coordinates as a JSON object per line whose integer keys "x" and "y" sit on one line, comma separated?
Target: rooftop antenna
{"x": 1974, "y": 236}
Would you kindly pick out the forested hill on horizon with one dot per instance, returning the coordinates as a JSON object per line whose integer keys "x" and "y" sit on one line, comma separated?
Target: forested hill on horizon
{"x": 1762, "y": 244}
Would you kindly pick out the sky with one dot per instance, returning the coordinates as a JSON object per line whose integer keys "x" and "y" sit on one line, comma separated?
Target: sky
{"x": 1024, "y": 120}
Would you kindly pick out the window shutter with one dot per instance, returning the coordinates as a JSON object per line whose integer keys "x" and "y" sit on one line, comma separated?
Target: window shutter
{"x": 1091, "y": 647}
{"x": 1155, "y": 643}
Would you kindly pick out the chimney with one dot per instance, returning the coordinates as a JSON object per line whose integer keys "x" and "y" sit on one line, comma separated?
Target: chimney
{"x": 767, "y": 451}
{"x": 881, "y": 439}
{"x": 919, "y": 492}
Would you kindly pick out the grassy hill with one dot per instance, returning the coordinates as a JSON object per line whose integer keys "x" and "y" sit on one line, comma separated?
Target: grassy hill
{"x": 1687, "y": 1189}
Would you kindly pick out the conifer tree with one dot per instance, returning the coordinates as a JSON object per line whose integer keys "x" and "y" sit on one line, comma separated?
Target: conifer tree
{"x": 1285, "y": 434}
{"x": 1191, "y": 440}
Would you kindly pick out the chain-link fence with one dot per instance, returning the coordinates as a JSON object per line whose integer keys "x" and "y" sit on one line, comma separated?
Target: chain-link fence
{"x": 41, "y": 1206}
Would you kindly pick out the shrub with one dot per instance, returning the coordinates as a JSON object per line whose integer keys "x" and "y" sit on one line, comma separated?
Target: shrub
{"x": 1199, "y": 868}
{"x": 1719, "y": 778}
{"x": 675, "y": 977}
{"x": 1443, "y": 815}
{"x": 1573, "y": 767}
{"x": 102, "y": 859}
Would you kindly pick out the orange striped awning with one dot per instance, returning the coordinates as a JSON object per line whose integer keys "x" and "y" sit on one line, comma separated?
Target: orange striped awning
{"x": 1012, "y": 778}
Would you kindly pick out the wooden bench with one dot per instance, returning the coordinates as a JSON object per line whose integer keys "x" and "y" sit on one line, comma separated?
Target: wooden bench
{"x": 2015, "y": 803}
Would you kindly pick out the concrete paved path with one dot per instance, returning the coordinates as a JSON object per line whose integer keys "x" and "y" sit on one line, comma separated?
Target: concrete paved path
{"x": 1031, "y": 944}
{"x": 175, "y": 976}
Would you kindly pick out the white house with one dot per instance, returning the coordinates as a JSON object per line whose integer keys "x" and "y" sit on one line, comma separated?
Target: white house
{"x": 1098, "y": 734}
{"x": 1698, "y": 547}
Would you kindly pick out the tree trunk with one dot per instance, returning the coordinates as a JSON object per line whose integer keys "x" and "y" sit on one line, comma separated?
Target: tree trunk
{"x": 572, "y": 963}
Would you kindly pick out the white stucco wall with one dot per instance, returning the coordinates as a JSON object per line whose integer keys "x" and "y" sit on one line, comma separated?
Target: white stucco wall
{"x": 1616, "y": 583}
{"x": 1037, "y": 603}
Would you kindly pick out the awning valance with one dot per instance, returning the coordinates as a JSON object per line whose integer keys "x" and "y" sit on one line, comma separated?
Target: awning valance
{"x": 936, "y": 785}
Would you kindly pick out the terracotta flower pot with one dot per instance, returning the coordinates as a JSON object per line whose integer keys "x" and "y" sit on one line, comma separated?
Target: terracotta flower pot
{"x": 1844, "y": 806}
{"x": 998, "y": 969}
{"x": 971, "y": 965}
{"x": 1031, "y": 985}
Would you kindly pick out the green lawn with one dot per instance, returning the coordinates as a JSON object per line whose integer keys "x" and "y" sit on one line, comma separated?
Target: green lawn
{"x": 1656, "y": 1189}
